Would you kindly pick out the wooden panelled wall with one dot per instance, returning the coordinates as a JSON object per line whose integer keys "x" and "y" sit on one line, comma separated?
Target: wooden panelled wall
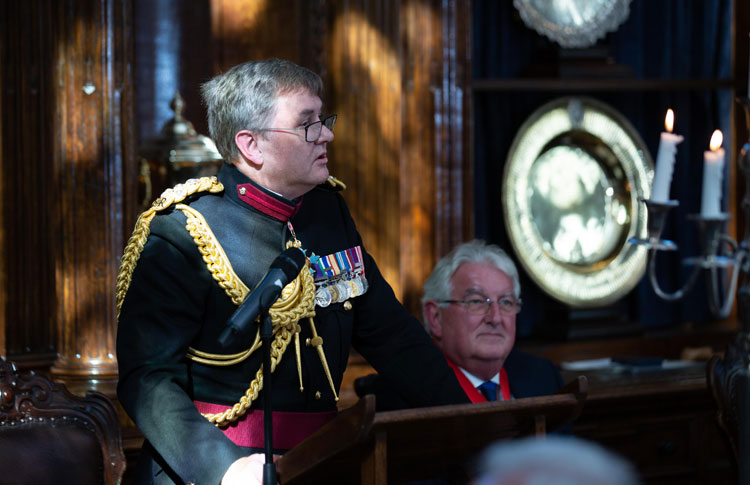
{"x": 396, "y": 72}
{"x": 66, "y": 182}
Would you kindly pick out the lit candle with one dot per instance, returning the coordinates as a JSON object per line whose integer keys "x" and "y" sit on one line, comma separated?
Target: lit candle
{"x": 665, "y": 160}
{"x": 713, "y": 174}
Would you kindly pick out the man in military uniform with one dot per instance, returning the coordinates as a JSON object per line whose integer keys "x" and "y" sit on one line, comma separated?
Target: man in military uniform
{"x": 204, "y": 245}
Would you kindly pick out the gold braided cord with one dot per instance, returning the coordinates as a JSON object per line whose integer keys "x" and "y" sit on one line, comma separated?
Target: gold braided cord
{"x": 214, "y": 256}
{"x": 317, "y": 342}
{"x": 297, "y": 301}
{"x": 221, "y": 360}
{"x": 336, "y": 183}
{"x": 142, "y": 229}
{"x": 282, "y": 337}
{"x": 297, "y": 353}
{"x": 130, "y": 255}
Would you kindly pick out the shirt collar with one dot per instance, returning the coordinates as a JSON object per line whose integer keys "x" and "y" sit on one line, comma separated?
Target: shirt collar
{"x": 476, "y": 381}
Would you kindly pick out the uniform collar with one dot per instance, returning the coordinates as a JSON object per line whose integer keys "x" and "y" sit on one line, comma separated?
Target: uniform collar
{"x": 239, "y": 186}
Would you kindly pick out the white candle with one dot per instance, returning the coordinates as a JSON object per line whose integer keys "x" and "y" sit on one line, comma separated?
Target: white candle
{"x": 665, "y": 160}
{"x": 713, "y": 175}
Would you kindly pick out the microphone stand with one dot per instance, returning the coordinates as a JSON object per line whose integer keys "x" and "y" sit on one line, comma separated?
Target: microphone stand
{"x": 266, "y": 332}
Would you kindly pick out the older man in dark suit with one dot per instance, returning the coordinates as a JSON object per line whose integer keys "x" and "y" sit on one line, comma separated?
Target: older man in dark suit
{"x": 470, "y": 304}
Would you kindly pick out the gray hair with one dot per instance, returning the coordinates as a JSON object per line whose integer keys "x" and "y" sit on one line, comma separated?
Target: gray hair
{"x": 244, "y": 98}
{"x": 553, "y": 459}
{"x": 439, "y": 286}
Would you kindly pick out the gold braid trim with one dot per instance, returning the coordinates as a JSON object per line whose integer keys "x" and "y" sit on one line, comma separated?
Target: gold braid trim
{"x": 297, "y": 301}
{"x": 336, "y": 183}
{"x": 214, "y": 256}
{"x": 142, "y": 229}
{"x": 282, "y": 337}
{"x": 220, "y": 360}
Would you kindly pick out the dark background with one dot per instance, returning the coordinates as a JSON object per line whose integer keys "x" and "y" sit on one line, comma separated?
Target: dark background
{"x": 667, "y": 54}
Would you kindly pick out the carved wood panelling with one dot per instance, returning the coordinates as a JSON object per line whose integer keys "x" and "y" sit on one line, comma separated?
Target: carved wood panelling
{"x": 398, "y": 82}
{"x": 395, "y": 74}
{"x": 3, "y": 244}
{"x": 67, "y": 178}
{"x": 27, "y": 178}
{"x": 93, "y": 153}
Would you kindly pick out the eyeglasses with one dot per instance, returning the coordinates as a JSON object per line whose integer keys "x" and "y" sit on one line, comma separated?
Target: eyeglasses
{"x": 480, "y": 306}
{"x": 312, "y": 130}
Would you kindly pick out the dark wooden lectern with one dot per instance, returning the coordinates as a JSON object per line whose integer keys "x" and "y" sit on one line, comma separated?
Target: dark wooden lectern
{"x": 361, "y": 446}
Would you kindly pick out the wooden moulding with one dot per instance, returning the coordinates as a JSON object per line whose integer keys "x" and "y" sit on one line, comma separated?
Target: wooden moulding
{"x": 361, "y": 446}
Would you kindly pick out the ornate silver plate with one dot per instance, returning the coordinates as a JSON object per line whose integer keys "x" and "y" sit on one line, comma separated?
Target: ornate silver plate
{"x": 571, "y": 185}
{"x": 573, "y": 23}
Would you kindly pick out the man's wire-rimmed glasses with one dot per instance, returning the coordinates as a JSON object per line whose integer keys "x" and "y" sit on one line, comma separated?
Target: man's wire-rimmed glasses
{"x": 480, "y": 306}
{"x": 312, "y": 130}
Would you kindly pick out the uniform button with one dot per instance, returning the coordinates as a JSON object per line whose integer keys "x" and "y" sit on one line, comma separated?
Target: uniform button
{"x": 347, "y": 305}
{"x": 317, "y": 394}
{"x": 314, "y": 342}
{"x": 243, "y": 190}
{"x": 190, "y": 483}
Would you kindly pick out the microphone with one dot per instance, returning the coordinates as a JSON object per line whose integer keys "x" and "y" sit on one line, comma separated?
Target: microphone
{"x": 284, "y": 268}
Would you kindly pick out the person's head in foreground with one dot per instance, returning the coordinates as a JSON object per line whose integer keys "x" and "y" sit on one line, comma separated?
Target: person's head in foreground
{"x": 552, "y": 460}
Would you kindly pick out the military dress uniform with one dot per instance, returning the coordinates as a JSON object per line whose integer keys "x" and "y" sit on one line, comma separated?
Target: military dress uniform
{"x": 177, "y": 298}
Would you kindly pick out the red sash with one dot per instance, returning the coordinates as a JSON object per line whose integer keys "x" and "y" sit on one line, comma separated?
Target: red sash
{"x": 472, "y": 392}
{"x": 289, "y": 428}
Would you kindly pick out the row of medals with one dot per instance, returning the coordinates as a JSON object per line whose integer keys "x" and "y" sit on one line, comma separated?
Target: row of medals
{"x": 340, "y": 290}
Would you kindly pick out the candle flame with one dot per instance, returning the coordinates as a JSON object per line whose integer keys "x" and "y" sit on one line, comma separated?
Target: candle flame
{"x": 669, "y": 120}
{"x": 716, "y": 139}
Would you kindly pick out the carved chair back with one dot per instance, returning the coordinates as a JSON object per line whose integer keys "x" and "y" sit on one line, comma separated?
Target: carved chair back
{"x": 50, "y": 436}
{"x": 725, "y": 375}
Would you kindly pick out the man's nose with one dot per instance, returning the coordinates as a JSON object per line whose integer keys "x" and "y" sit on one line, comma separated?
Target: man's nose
{"x": 493, "y": 313}
{"x": 326, "y": 135}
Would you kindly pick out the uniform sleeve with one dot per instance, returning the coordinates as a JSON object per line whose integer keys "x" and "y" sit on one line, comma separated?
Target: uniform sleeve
{"x": 160, "y": 316}
{"x": 396, "y": 344}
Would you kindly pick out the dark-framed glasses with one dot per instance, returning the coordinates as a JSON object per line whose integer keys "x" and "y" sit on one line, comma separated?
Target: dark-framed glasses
{"x": 480, "y": 306}
{"x": 312, "y": 130}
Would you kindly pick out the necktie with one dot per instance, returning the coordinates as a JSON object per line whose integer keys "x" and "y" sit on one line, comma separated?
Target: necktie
{"x": 488, "y": 390}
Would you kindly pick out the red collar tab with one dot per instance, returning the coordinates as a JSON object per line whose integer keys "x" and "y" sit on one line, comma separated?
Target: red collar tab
{"x": 268, "y": 203}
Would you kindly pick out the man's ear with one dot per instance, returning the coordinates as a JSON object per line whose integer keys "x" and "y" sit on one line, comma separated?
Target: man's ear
{"x": 247, "y": 144}
{"x": 432, "y": 314}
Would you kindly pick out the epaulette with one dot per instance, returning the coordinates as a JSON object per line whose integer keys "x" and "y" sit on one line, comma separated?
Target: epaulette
{"x": 180, "y": 192}
{"x": 332, "y": 183}
{"x": 137, "y": 240}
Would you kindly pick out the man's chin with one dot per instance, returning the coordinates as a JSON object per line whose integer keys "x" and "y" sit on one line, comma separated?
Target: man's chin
{"x": 322, "y": 174}
{"x": 491, "y": 339}
{"x": 493, "y": 350}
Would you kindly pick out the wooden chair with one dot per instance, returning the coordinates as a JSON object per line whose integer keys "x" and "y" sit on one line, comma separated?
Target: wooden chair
{"x": 50, "y": 436}
{"x": 729, "y": 382}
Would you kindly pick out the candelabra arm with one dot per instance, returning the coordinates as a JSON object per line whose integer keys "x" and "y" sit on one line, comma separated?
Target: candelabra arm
{"x": 720, "y": 308}
{"x": 655, "y": 283}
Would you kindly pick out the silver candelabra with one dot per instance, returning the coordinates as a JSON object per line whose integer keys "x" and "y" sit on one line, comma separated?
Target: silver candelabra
{"x": 721, "y": 256}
